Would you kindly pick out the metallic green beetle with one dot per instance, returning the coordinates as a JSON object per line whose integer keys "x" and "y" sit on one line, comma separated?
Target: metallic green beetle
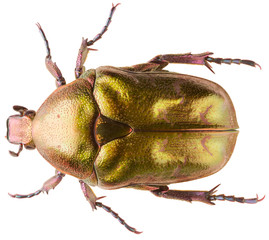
{"x": 140, "y": 126}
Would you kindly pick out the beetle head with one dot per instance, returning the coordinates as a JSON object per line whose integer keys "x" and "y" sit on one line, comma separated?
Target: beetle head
{"x": 19, "y": 129}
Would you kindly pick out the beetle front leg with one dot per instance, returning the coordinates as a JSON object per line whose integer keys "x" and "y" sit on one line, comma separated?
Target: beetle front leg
{"x": 91, "y": 198}
{"x": 201, "y": 196}
{"x": 199, "y": 59}
{"x": 51, "y": 66}
{"x": 84, "y": 50}
{"x": 48, "y": 185}
{"x": 82, "y": 56}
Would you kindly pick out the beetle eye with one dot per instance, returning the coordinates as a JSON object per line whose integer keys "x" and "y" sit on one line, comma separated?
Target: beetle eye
{"x": 29, "y": 147}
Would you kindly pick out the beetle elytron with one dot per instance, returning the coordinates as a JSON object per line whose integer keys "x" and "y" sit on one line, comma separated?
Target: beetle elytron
{"x": 139, "y": 126}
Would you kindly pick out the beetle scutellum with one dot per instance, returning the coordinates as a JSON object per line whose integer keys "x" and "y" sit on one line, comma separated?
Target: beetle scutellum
{"x": 181, "y": 127}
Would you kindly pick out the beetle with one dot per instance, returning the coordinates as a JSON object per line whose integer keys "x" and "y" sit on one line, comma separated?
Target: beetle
{"x": 141, "y": 127}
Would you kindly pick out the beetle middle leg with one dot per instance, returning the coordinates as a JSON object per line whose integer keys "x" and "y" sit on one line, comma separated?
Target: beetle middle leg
{"x": 201, "y": 196}
{"x": 51, "y": 66}
{"x": 84, "y": 50}
{"x": 48, "y": 185}
{"x": 91, "y": 198}
{"x": 199, "y": 59}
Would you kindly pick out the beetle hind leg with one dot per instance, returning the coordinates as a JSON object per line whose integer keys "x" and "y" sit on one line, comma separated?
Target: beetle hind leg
{"x": 199, "y": 59}
{"x": 201, "y": 196}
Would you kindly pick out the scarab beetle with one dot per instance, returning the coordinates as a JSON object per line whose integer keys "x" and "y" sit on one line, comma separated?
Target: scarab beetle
{"x": 140, "y": 126}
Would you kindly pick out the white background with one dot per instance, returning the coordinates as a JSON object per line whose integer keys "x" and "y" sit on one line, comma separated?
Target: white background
{"x": 139, "y": 31}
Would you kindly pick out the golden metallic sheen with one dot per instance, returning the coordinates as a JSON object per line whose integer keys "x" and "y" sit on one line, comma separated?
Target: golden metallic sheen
{"x": 63, "y": 129}
{"x": 136, "y": 128}
{"x": 183, "y": 128}
{"x": 159, "y": 158}
{"x": 163, "y": 100}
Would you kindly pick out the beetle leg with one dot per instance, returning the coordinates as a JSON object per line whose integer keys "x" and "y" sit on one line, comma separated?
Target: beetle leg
{"x": 199, "y": 59}
{"x": 91, "y": 198}
{"x": 51, "y": 66}
{"x": 146, "y": 67}
{"x": 89, "y": 194}
{"x": 230, "y": 61}
{"x": 201, "y": 196}
{"x": 48, "y": 185}
{"x": 222, "y": 197}
{"x": 82, "y": 56}
{"x": 186, "y": 58}
{"x": 83, "y": 51}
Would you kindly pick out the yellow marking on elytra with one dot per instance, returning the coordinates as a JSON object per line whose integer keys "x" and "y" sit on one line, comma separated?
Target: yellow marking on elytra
{"x": 211, "y": 110}
{"x": 163, "y": 144}
{"x": 163, "y": 106}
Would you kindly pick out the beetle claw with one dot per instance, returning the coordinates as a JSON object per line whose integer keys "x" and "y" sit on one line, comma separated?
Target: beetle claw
{"x": 256, "y": 64}
{"x": 114, "y": 6}
{"x": 259, "y": 200}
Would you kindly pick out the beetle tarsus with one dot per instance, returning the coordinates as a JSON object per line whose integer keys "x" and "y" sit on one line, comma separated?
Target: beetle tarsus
{"x": 25, "y": 196}
{"x": 91, "y": 198}
{"x": 48, "y": 185}
{"x": 232, "y": 198}
{"x": 51, "y": 66}
{"x": 99, "y": 35}
{"x": 84, "y": 50}
{"x": 232, "y": 61}
{"x": 116, "y": 215}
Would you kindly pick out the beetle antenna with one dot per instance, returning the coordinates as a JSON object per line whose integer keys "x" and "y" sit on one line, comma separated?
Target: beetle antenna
{"x": 13, "y": 154}
{"x": 116, "y": 215}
